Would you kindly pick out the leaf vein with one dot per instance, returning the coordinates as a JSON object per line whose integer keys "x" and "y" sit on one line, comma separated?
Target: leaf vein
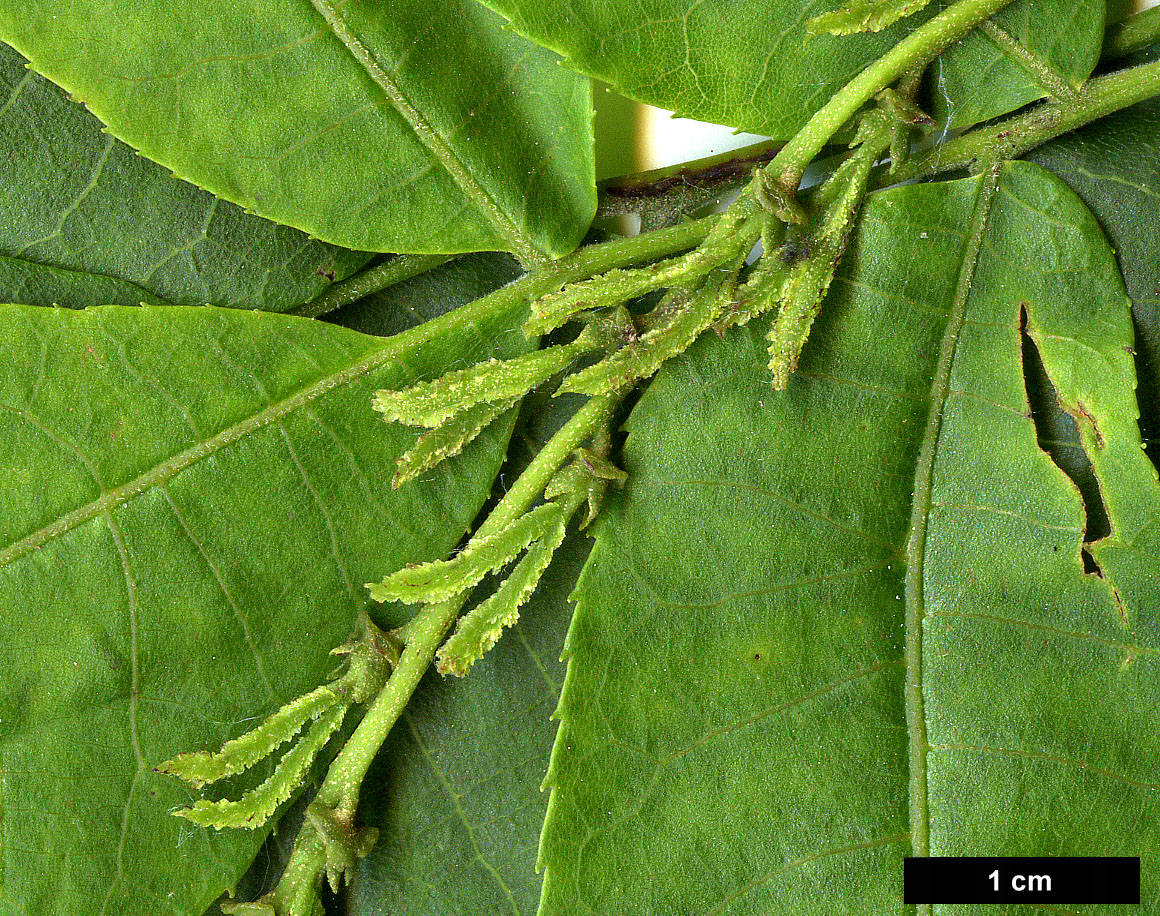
{"x": 327, "y": 517}
{"x": 462, "y": 815}
{"x": 1130, "y": 648}
{"x": 215, "y": 570}
{"x": 179, "y": 462}
{"x": 798, "y": 863}
{"x": 782, "y": 707}
{"x": 1053, "y": 758}
{"x": 131, "y": 588}
{"x": 428, "y": 136}
{"x": 78, "y": 200}
{"x": 920, "y": 511}
{"x": 1075, "y": 529}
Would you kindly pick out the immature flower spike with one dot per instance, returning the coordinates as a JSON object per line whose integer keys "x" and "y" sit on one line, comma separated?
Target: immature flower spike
{"x": 446, "y": 441}
{"x": 481, "y": 627}
{"x": 257, "y": 806}
{"x": 584, "y": 480}
{"x": 640, "y": 360}
{"x": 495, "y": 381}
{"x": 200, "y": 768}
{"x": 437, "y": 581}
{"x": 371, "y": 655}
{"x": 839, "y": 200}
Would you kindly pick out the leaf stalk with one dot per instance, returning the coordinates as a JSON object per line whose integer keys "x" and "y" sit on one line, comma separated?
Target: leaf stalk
{"x": 394, "y": 270}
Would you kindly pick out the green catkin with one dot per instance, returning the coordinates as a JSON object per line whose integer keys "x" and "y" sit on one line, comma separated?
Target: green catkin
{"x": 618, "y": 286}
{"x": 643, "y": 358}
{"x": 447, "y": 440}
{"x": 431, "y": 404}
{"x": 480, "y": 628}
{"x": 760, "y": 292}
{"x": 257, "y": 806}
{"x": 609, "y": 289}
{"x": 200, "y": 768}
{"x": 442, "y": 579}
{"x": 807, "y": 283}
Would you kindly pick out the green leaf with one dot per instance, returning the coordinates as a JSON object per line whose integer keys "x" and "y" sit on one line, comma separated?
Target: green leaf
{"x": 455, "y": 792}
{"x": 86, "y": 221}
{"x": 1032, "y": 49}
{"x": 192, "y": 499}
{"x": 429, "y": 295}
{"x": 737, "y": 734}
{"x": 1114, "y": 165}
{"x": 381, "y": 127}
{"x": 753, "y": 64}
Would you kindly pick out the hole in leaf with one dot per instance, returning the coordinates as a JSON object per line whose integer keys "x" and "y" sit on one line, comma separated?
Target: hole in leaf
{"x": 1057, "y": 434}
{"x": 1146, "y": 321}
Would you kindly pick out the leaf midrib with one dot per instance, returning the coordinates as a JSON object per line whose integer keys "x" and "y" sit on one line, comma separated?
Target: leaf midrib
{"x": 110, "y": 499}
{"x": 522, "y": 246}
{"x": 1039, "y": 70}
{"x": 918, "y": 741}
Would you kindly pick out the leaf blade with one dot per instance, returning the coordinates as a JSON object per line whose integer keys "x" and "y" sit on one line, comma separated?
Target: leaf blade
{"x": 755, "y": 67}
{"x": 1025, "y": 53}
{"x": 1114, "y": 166}
{"x": 89, "y": 222}
{"x": 734, "y": 715}
{"x": 155, "y": 553}
{"x": 273, "y": 110}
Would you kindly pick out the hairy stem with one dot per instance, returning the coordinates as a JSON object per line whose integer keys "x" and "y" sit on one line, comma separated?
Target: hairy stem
{"x": 339, "y": 791}
{"x": 1015, "y": 136}
{"x": 920, "y": 47}
{"x": 396, "y": 270}
{"x": 425, "y": 632}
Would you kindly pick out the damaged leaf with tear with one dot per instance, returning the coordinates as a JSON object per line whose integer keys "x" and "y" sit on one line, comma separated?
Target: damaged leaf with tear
{"x": 881, "y": 576}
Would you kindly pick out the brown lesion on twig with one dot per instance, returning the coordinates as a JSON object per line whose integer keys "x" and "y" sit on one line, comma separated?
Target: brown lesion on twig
{"x": 703, "y": 174}
{"x": 661, "y": 195}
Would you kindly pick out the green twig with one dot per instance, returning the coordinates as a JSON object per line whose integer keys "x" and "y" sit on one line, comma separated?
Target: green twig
{"x": 1015, "y": 136}
{"x": 399, "y": 268}
{"x": 922, "y": 45}
{"x": 337, "y": 798}
{"x": 424, "y": 633}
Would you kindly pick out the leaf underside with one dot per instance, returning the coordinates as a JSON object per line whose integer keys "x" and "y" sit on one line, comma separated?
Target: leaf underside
{"x": 399, "y": 127}
{"x": 1030, "y": 50}
{"x": 86, "y": 221}
{"x": 734, "y": 732}
{"x": 1114, "y": 166}
{"x": 192, "y": 499}
{"x": 752, "y": 64}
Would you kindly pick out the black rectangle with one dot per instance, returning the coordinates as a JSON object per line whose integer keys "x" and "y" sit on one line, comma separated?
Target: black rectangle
{"x": 1057, "y": 879}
